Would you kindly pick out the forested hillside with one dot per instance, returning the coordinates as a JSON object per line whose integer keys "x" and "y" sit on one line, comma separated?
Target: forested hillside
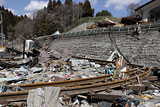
{"x": 54, "y": 17}
{"x": 9, "y": 19}
{"x": 58, "y": 16}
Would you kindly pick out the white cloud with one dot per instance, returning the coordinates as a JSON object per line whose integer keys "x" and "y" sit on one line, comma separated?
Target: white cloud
{"x": 94, "y": 2}
{"x": 35, "y": 5}
{"x": 12, "y": 10}
{"x": 120, "y": 4}
{"x": 2, "y": 2}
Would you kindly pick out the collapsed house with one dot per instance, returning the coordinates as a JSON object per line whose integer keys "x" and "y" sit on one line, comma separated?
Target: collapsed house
{"x": 105, "y": 23}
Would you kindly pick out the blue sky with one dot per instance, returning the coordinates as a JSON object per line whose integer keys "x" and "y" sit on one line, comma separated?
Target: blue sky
{"x": 117, "y": 7}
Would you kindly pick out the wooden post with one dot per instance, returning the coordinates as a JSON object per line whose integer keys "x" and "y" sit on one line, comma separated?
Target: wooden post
{"x": 24, "y": 42}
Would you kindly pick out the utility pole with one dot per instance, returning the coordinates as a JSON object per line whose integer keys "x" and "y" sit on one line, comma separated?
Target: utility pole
{"x": 1, "y": 22}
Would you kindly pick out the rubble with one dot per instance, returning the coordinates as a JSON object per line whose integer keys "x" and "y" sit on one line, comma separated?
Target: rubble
{"x": 105, "y": 23}
{"x": 52, "y": 66}
{"x": 130, "y": 20}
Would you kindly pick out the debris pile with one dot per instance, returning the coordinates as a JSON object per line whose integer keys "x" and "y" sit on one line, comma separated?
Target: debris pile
{"x": 62, "y": 80}
{"x": 52, "y": 66}
{"x": 124, "y": 21}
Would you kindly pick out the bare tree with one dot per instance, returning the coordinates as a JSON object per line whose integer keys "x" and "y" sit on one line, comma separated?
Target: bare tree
{"x": 24, "y": 28}
{"x": 131, "y": 8}
{"x": 57, "y": 19}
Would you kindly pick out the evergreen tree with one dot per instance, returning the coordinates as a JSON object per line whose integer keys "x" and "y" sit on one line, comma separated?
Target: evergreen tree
{"x": 25, "y": 16}
{"x": 87, "y": 10}
{"x": 43, "y": 26}
{"x": 50, "y": 5}
{"x": 81, "y": 4}
{"x": 53, "y": 3}
{"x": 68, "y": 2}
{"x": 3, "y": 8}
{"x": 10, "y": 33}
{"x": 59, "y": 3}
{"x": 104, "y": 13}
{"x": 9, "y": 19}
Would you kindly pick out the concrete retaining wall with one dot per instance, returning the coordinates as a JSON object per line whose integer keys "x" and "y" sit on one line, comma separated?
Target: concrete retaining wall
{"x": 145, "y": 51}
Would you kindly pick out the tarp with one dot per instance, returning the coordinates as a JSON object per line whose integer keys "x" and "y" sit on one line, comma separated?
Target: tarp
{"x": 114, "y": 55}
{"x": 56, "y": 33}
{"x": 9, "y": 79}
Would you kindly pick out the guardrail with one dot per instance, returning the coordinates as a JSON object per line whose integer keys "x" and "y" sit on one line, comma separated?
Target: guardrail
{"x": 143, "y": 27}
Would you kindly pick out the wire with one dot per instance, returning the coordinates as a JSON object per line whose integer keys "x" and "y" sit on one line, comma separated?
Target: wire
{"x": 113, "y": 42}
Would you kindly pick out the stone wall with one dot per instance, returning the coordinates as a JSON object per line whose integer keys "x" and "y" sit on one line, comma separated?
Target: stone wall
{"x": 145, "y": 51}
